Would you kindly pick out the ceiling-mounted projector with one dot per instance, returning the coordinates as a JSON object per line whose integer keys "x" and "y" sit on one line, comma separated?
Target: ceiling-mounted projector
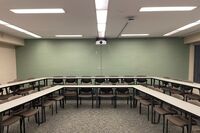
{"x": 101, "y": 42}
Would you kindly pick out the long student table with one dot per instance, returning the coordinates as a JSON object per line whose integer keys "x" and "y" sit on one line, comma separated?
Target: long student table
{"x": 185, "y": 83}
{"x": 23, "y": 82}
{"x": 188, "y": 107}
{"x": 185, "y": 106}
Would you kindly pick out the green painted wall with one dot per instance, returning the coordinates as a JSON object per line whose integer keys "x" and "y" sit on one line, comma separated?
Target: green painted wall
{"x": 153, "y": 56}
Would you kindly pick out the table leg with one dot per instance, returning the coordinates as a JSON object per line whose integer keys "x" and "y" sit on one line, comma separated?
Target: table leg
{"x": 96, "y": 91}
{"x": 1, "y": 119}
{"x": 133, "y": 99}
{"x": 159, "y": 83}
{"x": 152, "y": 105}
{"x": 151, "y": 81}
{"x": 190, "y": 124}
{"x": 38, "y": 85}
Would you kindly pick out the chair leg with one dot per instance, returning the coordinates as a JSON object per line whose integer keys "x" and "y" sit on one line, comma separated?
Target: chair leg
{"x": 44, "y": 114}
{"x": 163, "y": 123}
{"x": 24, "y": 128}
{"x": 167, "y": 126}
{"x": 99, "y": 101}
{"x": 77, "y": 102}
{"x": 148, "y": 113}
{"x": 115, "y": 102}
{"x": 52, "y": 109}
{"x": 20, "y": 125}
{"x": 92, "y": 102}
{"x": 131, "y": 102}
{"x": 140, "y": 108}
{"x": 183, "y": 129}
{"x": 56, "y": 106}
{"x": 7, "y": 129}
{"x": 80, "y": 101}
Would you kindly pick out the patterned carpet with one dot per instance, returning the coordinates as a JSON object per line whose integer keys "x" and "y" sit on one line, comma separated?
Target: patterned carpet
{"x": 107, "y": 119}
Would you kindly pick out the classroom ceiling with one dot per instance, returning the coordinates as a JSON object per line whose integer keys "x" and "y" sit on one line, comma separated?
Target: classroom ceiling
{"x": 80, "y": 18}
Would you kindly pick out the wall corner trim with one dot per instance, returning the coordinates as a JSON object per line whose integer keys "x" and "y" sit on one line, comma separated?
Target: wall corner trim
{"x": 192, "y": 38}
{"x": 11, "y": 40}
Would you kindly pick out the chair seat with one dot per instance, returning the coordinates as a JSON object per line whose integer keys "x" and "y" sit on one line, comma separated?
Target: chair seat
{"x": 11, "y": 120}
{"x": 161, "y": 110}
{"x": 177, "y": 120}
{"x": 24, "y": 91}
{"x": 193, "y": 96}
{"x": 29, "y": 112}
{"x": 175, "y": 91}
{"x": 47, "y": 103}
{"x": 4, "y": 97}
{"x": 106, "y": 95}
{"x": 57, "y": 98}
{"x": 195, "y": 102}
{"x": 71, "y": 94}
{"x": 145, "y": 102}
{"x": 123, "y": 95}
{"x": 138, "y": 97}
{"x": 85, "y": 95}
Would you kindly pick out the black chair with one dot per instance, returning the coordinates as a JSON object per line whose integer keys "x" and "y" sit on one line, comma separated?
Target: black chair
{"x": 140, "y": 80}
{"x": 71, "y": 92}
{"x": 99, "y": 81}
{"x": 58, "y": 81}
{"x": 129, "y": 81}
{"x": 86, "y": 93}
{"x": 15, "y": 89}
{"x": 123, "y": 93}
{"x": 113, "y": 80}
{"x": 106, "y": 93}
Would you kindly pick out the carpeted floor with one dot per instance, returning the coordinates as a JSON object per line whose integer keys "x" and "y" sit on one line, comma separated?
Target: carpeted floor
{"x": 107, "y": 119}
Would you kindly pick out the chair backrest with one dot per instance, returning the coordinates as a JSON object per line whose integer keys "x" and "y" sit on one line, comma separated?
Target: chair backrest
{"x": 86, "y": 80}
{"x": 175, "y": 85}
{"x": 113, "y": 80}
{"x": 178, "y": 96}
{"x": 85, "y": 90}
{"x": 122, "y": 90}
{"x": 57, "y": 81}
{"x": 14, "y": 88}
{"x": 100, "y": 80}
{"x": 71, "y": 81}
{"x": 186, "y": 88}
{"x": 129, "y": 80}
{"x": 105, "y": 91}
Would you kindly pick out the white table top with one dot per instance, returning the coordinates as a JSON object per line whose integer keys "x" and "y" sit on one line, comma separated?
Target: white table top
{"x": 19, "y": 101}
{"x": 191, "y": 108}
{"x": 93, "y": 77}
{"x": 194, "y": 85}
{"x": 21, "y": 82}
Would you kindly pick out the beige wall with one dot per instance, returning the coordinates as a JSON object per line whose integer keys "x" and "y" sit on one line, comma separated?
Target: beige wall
{"x": 7, "y": 63}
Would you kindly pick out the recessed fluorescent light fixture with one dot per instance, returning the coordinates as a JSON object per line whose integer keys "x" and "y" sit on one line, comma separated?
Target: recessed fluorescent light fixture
{"x": 101, "y": 27}
{"x": 101, "y": 12}
{"x": 183, "y": 28}
{"x": 38, "y": 11}
{"x": 134, "y": 35}
{"x": 69, "y": 36}
{"x": 101, "y": 16}
{"x": 101, "y": 34}
{"x": 19, "y": 29}
{"x": 167, "y": 8}
{"x": 101, "y": 4}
